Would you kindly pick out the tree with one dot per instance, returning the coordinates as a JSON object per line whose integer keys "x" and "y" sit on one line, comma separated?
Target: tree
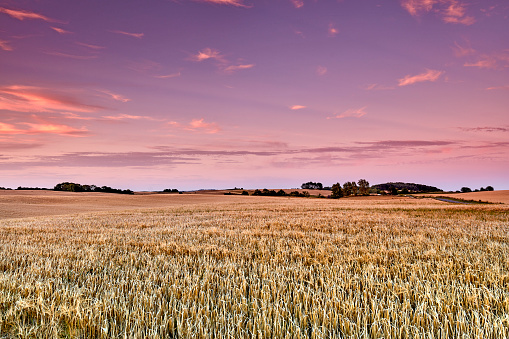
{"x": 337, "y": 192}
{"x": 312, "y": 185}
{"x": 466, "y": 189}
{"x": 489, "y": 188}
{"x": 349, "y": 188}
{"x": 363, "y": 187}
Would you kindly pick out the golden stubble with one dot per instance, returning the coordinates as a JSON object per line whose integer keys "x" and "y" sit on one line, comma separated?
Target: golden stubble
{"x": 261, "y": 268}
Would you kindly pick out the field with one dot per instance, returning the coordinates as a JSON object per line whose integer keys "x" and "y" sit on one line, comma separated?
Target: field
{"x": 252, "y": 267}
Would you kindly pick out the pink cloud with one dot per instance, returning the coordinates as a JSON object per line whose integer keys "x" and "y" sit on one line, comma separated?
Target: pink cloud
{"x": 297, "y": 3}
{"x": 72, "y": 56}
{"x": 351, "y": 113}
{"x": 134, "y": 35}
{"x": 42, "y": 128}
{"x": 36, "y": 99}
{"x": 206, "y": 54}
{"x": 495, "y": 61}
{"x": 114, "y": 96}
{"x": 321, "y": 70}
{"x": 22, "y": 15}
{"x": 485, "y": 62}
{"x": 377, "y": 87}
{"x": 451, "y": 11}
{"x": 296, "y": 107}
{"x": 197, "y": 125}
{"x": 498, "y": 87}
{"x": 55, "y": 129}
{"x": 168, "y": 76}
{"x": 128, "y": 117}
{"x": 461, "y": 51}
{"x": 237, "y": 3}
{"x": 5, "y": 45}
{"x": 332, "y": 30}
{"x": 429, "y": 75}
{"x": 90, "y": 46}
{"x": 8, "y": 129}
{"x": 60, "y": 30}
{"x": 233, "y": 68}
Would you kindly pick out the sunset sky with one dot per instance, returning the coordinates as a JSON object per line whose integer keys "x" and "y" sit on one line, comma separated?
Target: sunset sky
{"x": 193, "y": 94}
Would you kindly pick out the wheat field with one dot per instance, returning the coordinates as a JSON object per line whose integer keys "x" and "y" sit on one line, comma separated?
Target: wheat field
{"x": 260, "y": 268}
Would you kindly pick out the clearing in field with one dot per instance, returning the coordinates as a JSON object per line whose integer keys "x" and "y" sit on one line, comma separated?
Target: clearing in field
{"x": 259, "y": 267}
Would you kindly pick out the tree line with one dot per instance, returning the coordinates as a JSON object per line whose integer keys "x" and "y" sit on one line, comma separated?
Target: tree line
{"x": 74, "y": 187}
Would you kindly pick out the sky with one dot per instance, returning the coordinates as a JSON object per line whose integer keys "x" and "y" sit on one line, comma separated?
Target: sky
{"x": 196, "y": 94}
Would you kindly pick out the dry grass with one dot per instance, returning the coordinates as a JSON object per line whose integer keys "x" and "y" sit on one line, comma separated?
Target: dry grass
{"x": 263, "y": 267}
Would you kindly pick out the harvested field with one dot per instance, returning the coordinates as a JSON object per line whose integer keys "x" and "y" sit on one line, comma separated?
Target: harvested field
{"x": 493, "y": 196}
{"x": 260, "y": 267}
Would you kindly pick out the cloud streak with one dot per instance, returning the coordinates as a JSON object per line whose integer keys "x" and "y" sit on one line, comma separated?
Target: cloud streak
{"x": 60, "y": 30}
{"x": 134, "y": 35}
{"x": 429, "y": 75}
{"x": 236, "y": 3}
{"x": 42, "y": 128}
{"x": 36, "y": 99}
{"x": 297, "y": 107}
{"x": 5, "y": 45}
{"x": 234, "y": 68}
{"x": 22, "y": 15}
{"x": 351, "y": 113}
{"x": 197, "y": 125}
{"x": 450, "y": 11}
{"x": 206, "y": 54}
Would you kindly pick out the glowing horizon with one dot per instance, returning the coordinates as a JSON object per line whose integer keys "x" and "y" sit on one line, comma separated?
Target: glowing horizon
{"x": 223, "y": 93}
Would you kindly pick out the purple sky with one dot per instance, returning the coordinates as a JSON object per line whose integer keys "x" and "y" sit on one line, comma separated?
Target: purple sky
{"x": 254, "y": 93}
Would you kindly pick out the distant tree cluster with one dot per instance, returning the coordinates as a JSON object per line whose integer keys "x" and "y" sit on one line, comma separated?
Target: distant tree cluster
{"x": 482, "y": 189}
{"x": 269, "y": 193}
{"x": 7, "y": 189}
{"x": 74, "y": 187}
{"x": 20, "y": 188}
{"x": 404, "y": 188}
{"x": 171, "y": 190}
{"x": 312, "y": 186}
{"x": 360, "y": 187}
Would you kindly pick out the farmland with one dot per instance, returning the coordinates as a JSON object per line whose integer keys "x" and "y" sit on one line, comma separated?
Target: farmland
{"x": 229, "y": 266}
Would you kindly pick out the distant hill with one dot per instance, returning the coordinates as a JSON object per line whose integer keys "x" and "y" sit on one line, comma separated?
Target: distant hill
{"x": 411, "y": 187}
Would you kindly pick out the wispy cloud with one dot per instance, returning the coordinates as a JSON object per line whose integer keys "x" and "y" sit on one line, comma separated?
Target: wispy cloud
{"x": 377, "y": 87}
{"x": 5, "y": 45}
{"x": 197, "y": 125}
{"x": 206, "y": 54}
{"x": 450, "y": 11}
{"x": 168, "y": 76}
{"x": 429, "y": 75}
{"x": 22, "y": 15}
{"x": 351, "y": 113}
{"x": 36, "y": 99}
{"x": 321, "y": 70}
{"x": 233, "y": 68}
{"x": 498, "y": 60}
{"x": 296, "y": 107}
{"x": 297, "y": 3}
{"x": 134, "y": 35}
{"x": 115, "y": 96}
{"x": 237, "y": 3}
{"x": 498, "y": 87}
{"x": 96, "y": 47}
{"x": 60, "y": 30}
{"x": 72, "y": 56}
{"x": 55, "y": 129}
{"x": 42, "y": 128}
{"x": 461, "y": 51}
{"x": 332, "y": 30}
{"x": 128, "y": 117}
{"x": 489, "y": 129}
